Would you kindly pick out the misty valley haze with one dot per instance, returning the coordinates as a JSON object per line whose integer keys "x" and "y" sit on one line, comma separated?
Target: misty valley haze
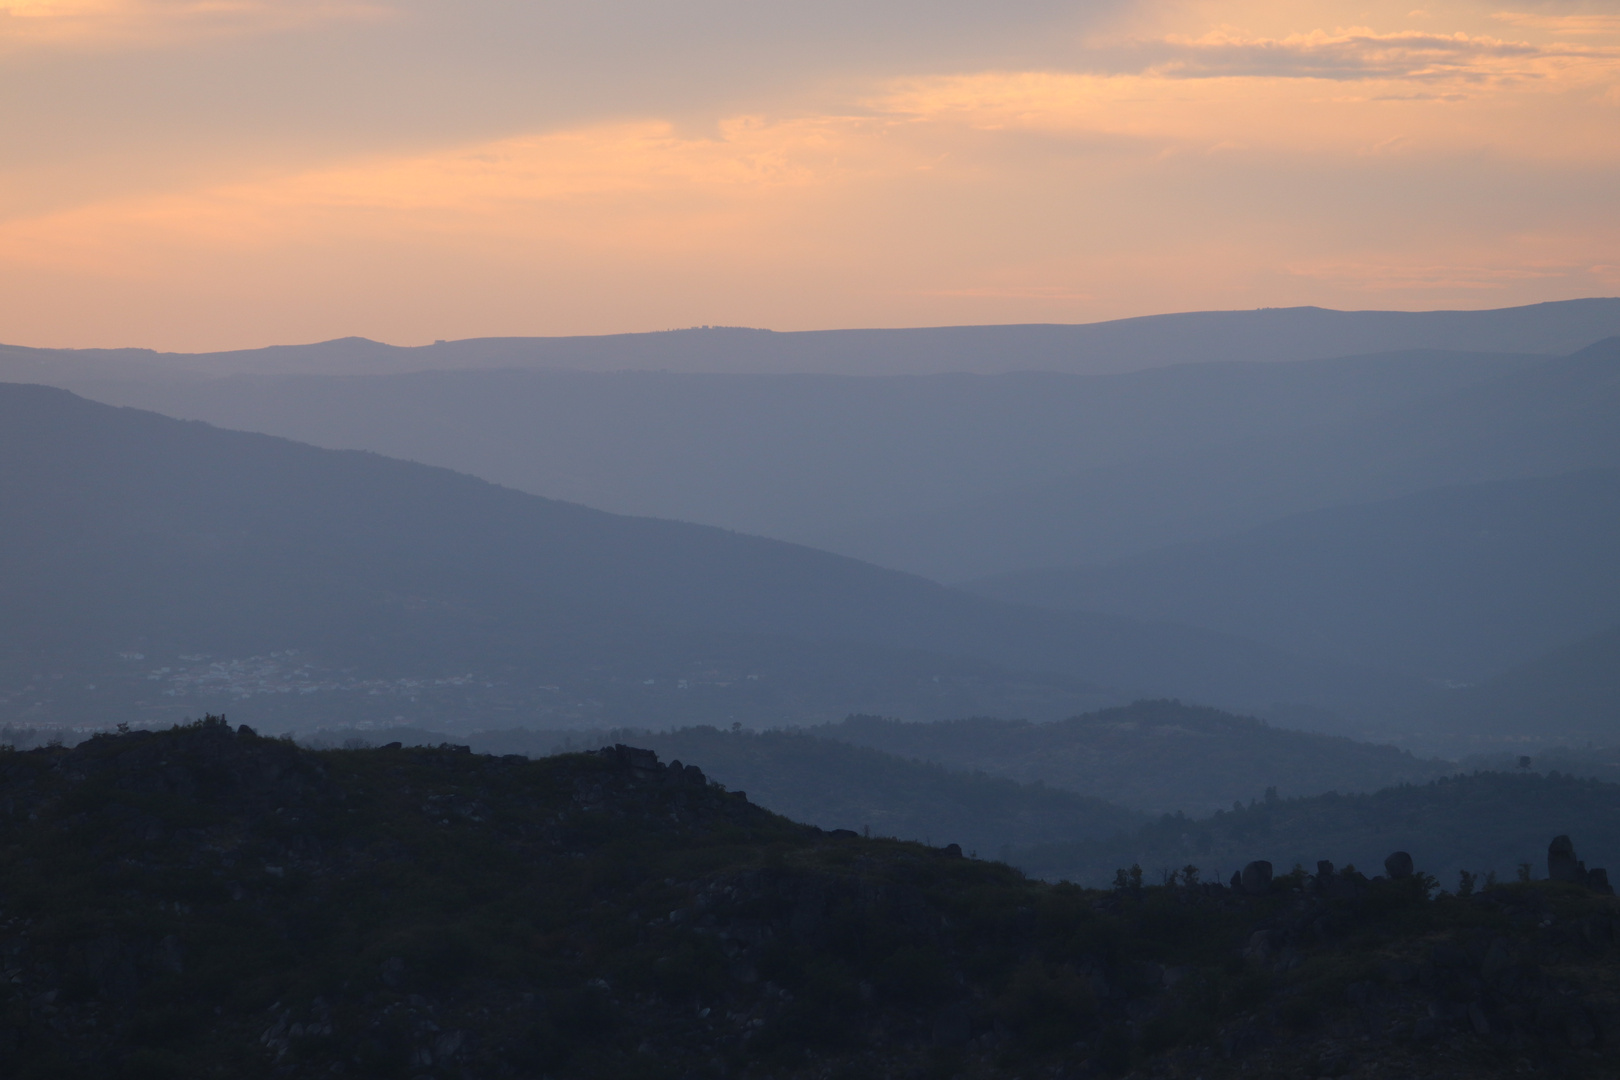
{"x": 882, "y": 540}
{"x": 1142, "y": 606}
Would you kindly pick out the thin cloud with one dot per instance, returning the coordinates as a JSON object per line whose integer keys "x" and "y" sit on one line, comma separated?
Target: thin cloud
{"x": 1562, "y": 24}
{"x": 122, "y": 24}
{"x": 1361, "y": 54}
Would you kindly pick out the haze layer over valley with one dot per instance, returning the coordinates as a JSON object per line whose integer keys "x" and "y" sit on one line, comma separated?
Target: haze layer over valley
{"x": 838, "y": 541}
{"x": 1409, "y": 547}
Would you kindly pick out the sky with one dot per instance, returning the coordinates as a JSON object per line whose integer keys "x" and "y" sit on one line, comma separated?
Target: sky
{"x": 213, "y": 174}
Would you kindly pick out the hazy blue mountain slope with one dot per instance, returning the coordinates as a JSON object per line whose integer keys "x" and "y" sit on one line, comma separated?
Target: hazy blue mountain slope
{"x": 1557, "y": 416}
{"x": 1155, "y": 756}
{"x": 1455, "y": 584}
{"x": 837, "y": 785}
{"x": 800, "y": 457}
{"x": 1120, "y": 345}
{"x": 1490, "y": 820}
{"x": 128, "y": 532}
{"x": 1569, "y": 694}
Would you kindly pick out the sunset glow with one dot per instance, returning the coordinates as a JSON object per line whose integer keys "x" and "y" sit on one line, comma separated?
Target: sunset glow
{"x": 1157, "y": 157}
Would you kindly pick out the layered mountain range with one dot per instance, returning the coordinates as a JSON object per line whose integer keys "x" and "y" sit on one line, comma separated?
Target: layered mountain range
{"x": 1249, "y": 510}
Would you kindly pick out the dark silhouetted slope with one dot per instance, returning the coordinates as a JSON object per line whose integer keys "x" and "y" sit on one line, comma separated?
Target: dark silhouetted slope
{"x": 203, "y": 902}
{"x": 829, "y": 783}
{"x": 1482, "y": 823}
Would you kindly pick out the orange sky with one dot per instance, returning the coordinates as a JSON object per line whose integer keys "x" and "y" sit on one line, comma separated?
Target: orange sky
{"x": 197, "y": 174}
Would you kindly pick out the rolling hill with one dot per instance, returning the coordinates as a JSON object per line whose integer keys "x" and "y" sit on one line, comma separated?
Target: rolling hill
{"x": 1151, "y": 756}
{"x": 1485, "y": 823}
{"x": 1555, "y": 416}
{"x": 204, "y": 901}
{"x": 171, "y": 566}
{"x": 823, "y": 782}
{"x": 796, "y": 457}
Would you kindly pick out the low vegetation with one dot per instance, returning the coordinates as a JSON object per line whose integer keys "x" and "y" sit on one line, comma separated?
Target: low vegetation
{"x": 205, "y": 902}
{"x": 1481, "y": 823}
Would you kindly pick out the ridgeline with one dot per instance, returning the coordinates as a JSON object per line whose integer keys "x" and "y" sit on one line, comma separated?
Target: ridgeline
{"x": 204, "y": 902}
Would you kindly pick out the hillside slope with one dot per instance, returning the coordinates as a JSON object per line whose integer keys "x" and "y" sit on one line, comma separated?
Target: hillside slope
{"x": 1557, "y": 416}
{"x": 1453, "y": 584}
{"x": 1484, "y": 823}
{"x": 1568, "y": 695}
{"x": 796, "y": 457}
{"x": 144, "y": 559}
{"x": 1153, "y": 756}
{"x": 204, "y": 902}
{"x": 828, "y": 783}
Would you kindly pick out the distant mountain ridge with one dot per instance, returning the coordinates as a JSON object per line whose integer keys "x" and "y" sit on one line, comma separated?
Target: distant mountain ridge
{"x": 1554, "y": 416}
{"x": 1118, "y": 345}
{"x": 801, "y": 457}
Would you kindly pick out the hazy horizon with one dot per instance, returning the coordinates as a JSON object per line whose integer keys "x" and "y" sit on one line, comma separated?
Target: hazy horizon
{"x": 203, "y": 177}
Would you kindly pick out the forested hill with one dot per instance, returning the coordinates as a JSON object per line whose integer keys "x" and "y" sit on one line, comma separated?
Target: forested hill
{"x": 837, "y": 785}
{"x": 207, "y": 902}
{"x": 1155, "y": 756}
{"x": 1484, "y": 823}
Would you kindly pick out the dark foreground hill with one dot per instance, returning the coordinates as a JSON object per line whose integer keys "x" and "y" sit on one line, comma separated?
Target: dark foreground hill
{"x": 203, "y": 902}
{"x": 1155, "y": 756}
{"x": 830, "y": 783}
{"x": 166, "y": 567}
{"x": 1488, "y": 822}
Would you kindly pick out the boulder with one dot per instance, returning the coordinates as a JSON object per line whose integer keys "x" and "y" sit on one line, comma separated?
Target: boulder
{"x": 1561, "y": 862}
{"x": 1398, "y": 865}
{"x": 1256, "y": 878}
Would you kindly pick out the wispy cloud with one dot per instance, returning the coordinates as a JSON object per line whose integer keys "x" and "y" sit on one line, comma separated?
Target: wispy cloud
{"x": 1584, "y": 24}
{"x": 115, "y": 24}
{"x": 1292, "y": 159}
{"x": 1362, "y": 54}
